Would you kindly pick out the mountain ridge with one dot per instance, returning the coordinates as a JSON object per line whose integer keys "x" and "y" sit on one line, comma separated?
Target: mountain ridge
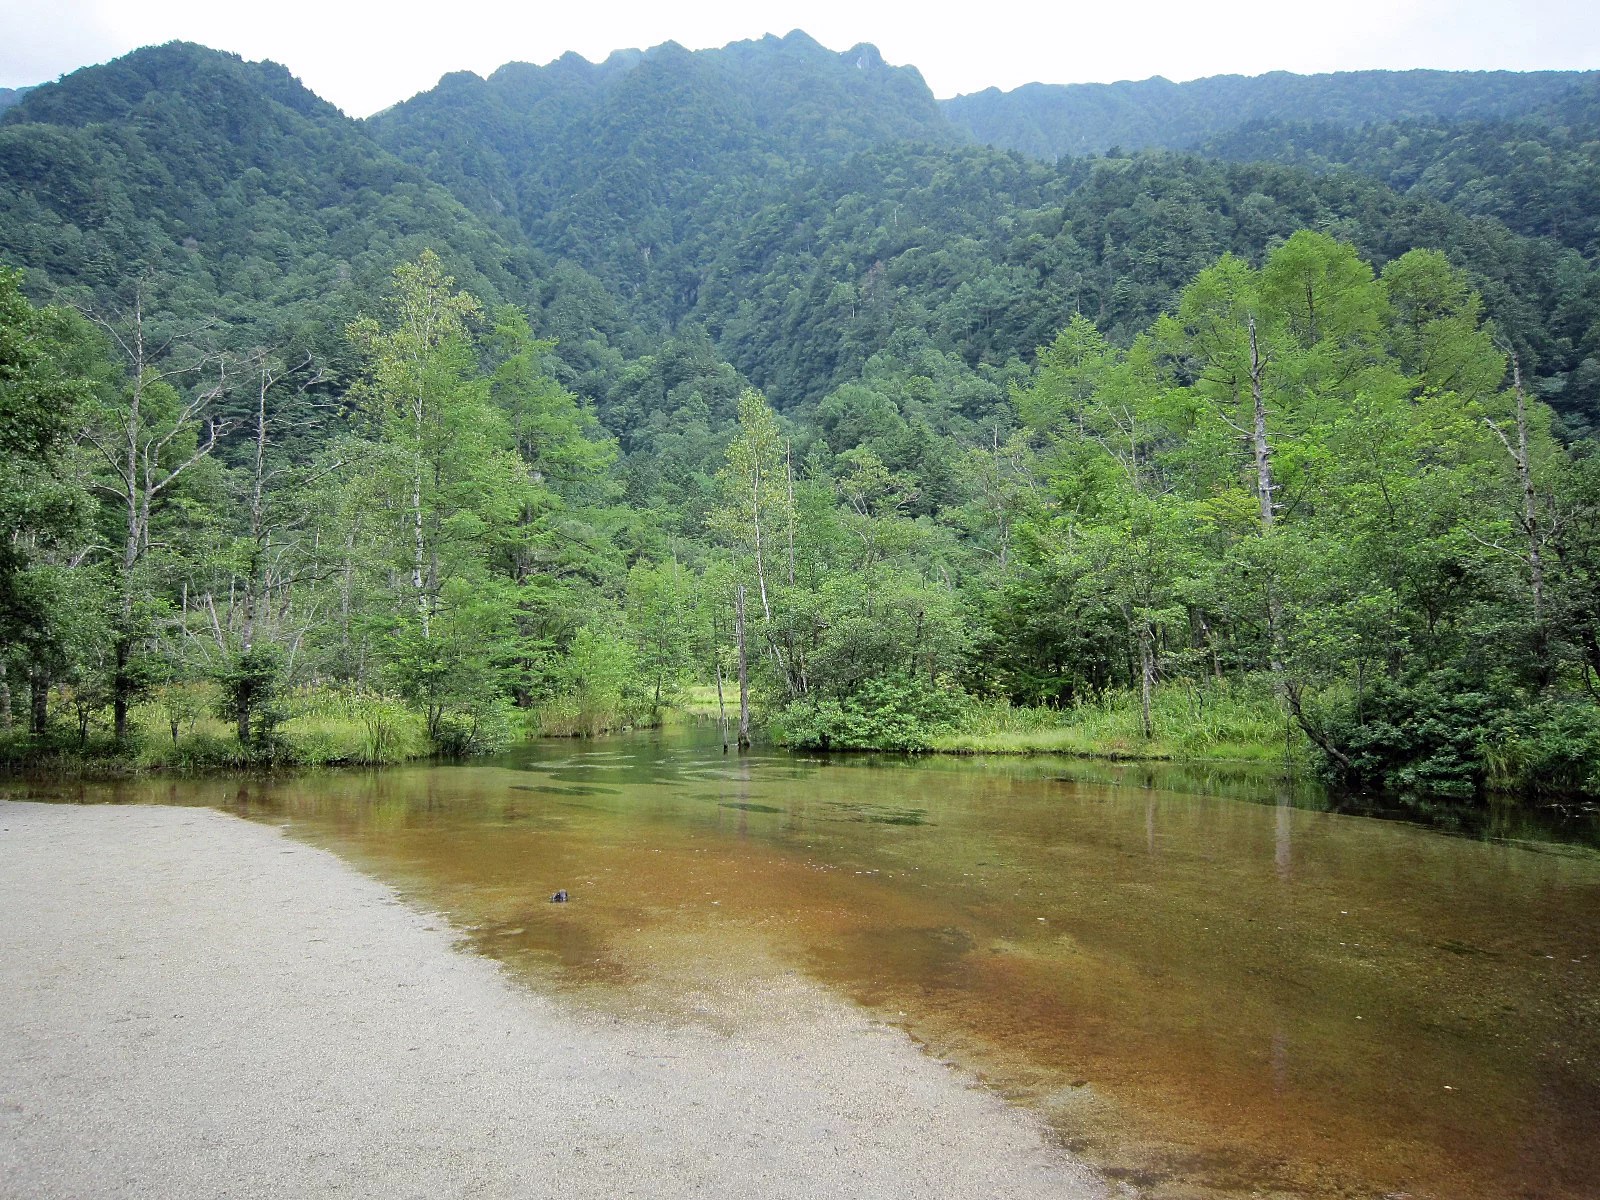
{"x": 1049, "y": 120}
{"x": 772, "y": 185}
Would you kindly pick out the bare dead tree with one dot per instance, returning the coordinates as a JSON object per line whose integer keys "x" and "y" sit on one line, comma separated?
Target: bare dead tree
{"x": 744, "y": 669}
{"x": 1534, "y": 532}
{"x": 140, "y": 445}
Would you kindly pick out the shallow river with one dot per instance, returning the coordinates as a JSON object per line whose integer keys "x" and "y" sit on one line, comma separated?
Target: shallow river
{"x": 1207, "y": 985}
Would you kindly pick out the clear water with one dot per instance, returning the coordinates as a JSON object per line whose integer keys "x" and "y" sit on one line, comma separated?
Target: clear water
{"x": 1209, "y": 985}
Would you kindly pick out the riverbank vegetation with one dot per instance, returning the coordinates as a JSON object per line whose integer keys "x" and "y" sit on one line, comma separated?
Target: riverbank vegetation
{"x": 182, "y": 727}
{"x": 1297, "y": 516}
{"x": 1189, "y": 722}
{"x": 1282, "y": 486}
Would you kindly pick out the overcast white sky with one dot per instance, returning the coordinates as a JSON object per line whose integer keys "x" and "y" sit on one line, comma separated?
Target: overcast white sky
{"x": 364, "y": 55}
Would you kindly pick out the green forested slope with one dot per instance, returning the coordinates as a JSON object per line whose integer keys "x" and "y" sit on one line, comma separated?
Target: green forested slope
{"x": 1052, "y": 120}
{"x": 241, "y": 197}
{"x": 982, "y": 254}
{"x": 445, "y": 419}
{"x": 1538, "y": 174}
{"x": 633, "y": 167}
{"x": 767, "y": 191}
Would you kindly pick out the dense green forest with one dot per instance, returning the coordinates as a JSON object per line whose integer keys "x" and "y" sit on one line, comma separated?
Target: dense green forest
{"x": 1536, "y": 175}
{"x": 536, "y": 403}
{"x": 1054, "y": 120}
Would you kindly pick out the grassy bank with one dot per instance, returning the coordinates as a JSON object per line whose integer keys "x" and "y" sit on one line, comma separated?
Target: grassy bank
{"x": 1188, "y": 723}
{"x": 178, "y": 729}
{"x": 572, "y": 716}
{"x": 699, "y": 703}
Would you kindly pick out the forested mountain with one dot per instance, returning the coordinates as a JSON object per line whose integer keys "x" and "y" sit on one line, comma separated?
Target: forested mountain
{"x": 981, "y": 254}
{"x": 453, "y": 406}
{"x": 634, "y": 166}
{"x": 769, "y": 185}
{"x": 1052, "y": 120}
{"x": 1536, "y": 174}
{"x": 240, "y": 196}
{"x": 10, "y": 96}
{"x": 698, "y": 186}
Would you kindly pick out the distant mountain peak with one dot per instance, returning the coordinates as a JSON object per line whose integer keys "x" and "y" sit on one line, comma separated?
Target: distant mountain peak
{"x": 1052, "y": 120}
{"x": 865, "y": 56}
{"x": 110, "y": 91}
{"x": 802, "y": 39}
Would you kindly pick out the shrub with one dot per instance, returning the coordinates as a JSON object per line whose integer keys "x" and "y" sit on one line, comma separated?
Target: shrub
{"x": 894, "y": 712}
{"x": 1551, "y": 747}
{"x": 1423, "y": 736}
{"x": 1434, "y": 736}
{"x": 252, "y": 684}
{"x": 483, "y": 731}
{"x": 596, "y": 686}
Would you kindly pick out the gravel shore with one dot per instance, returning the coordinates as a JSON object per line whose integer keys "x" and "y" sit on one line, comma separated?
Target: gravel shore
{"x": 192, "y": 1005}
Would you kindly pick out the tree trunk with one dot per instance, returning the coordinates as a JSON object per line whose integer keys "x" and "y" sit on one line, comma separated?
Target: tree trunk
{"x": 1147, "y": 676}
{"x": 1265, "y": 487}
{"x": 1263, "y": 449}
{"x": 1314, "y": 731}
{"x": 253, "y": 597}
{"x": 788, "y": 462}
{"x": 761, "y": 567}
{"x": 1530, "y": 527}
{"x": 122, "y": 684}
{"x": 39, "y": 701}
{"x": 419, "y": 555}
{"x": 5, "y": 699}
{"x": 1210, "y": 643}
{"x": 722, "y": 709}
{"x": 346, "y": 589}
{"x": 744, "y": 670}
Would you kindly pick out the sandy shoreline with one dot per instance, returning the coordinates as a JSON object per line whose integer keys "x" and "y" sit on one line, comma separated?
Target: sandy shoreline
{"x": 194, "y": 1005}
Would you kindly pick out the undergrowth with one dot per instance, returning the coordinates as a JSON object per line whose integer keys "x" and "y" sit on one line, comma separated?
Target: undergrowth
{"x": 178, "y": 729}
{"x": 1188, "y": 721}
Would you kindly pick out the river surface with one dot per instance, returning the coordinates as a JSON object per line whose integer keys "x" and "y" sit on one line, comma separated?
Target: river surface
{"x": 1207, "y": 984}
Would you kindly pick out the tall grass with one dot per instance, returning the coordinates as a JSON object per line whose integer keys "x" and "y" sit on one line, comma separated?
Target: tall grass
{"x": 329, "y": 726}
{"x": 1188, "y": 721}
{"x": 570, "y": 716}
{"x": 698, "y": 702}
{"x": 580, "y": 714}
{"x": 180, "y": 731}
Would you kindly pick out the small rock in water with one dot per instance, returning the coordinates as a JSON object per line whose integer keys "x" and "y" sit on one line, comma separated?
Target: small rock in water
{"x": 560, "y": 897}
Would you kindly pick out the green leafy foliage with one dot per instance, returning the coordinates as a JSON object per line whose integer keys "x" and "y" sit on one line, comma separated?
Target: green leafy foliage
{"x": 43, "y": 504}
{"x": 1052, "y": 120}
{"x": 252, "y": 685}
{"x": 1533, "y": 173}
{"x": 1146, "y": 454}
{"x": 887, "y": 712}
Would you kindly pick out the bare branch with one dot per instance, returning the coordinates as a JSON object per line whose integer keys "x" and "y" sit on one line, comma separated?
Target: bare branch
{"x": 216, "y": 429}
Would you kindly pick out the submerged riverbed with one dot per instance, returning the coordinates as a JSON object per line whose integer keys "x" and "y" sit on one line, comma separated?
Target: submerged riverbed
{"x": 1208, "y": 985}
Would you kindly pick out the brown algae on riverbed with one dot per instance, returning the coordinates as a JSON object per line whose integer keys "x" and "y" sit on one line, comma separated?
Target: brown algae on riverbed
{"x": 1203, "y": 996}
